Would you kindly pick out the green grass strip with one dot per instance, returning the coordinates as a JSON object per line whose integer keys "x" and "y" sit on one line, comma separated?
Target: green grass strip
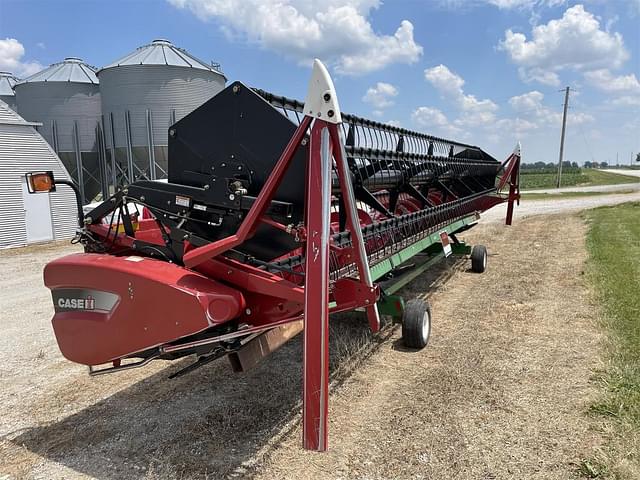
{"x": 613, "y": 242}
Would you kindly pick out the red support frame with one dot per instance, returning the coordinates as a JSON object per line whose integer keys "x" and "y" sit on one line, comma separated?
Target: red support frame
{"x": 325, "y": 144}
{"x": 512, "y": 176}
{"x": 514, "y": 191}
{"x": 316, "y": 299}
{"x": 353, "y": 224}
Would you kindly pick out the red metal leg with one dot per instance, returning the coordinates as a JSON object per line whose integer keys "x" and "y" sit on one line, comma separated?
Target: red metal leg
{"x": 514, "y": 191}
{"x": 353, "y": 223}
{"x": 316, "y": 317}
{"x": 512, "y": 175}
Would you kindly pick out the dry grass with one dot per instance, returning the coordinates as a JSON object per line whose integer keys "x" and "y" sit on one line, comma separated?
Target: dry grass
{"x": 500, "y": 392}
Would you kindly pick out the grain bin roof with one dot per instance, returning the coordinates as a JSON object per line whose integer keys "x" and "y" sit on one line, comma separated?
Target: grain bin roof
{"x": 71, "y": 69}
{"x": 163, "y": 52}
{"x": 7, "y": 82}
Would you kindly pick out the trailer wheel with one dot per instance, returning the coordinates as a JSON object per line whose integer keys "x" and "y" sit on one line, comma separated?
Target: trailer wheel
{"x": 479, "y": 258}
{"x": 416, "y": 324}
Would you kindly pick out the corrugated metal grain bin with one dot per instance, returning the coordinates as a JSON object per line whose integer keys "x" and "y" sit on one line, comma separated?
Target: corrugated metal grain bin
{"x": 65, "y": 98}
{"x": 7, "y": 95}
{"x": 142, "y": 94}
{"x": 30, "y": 218}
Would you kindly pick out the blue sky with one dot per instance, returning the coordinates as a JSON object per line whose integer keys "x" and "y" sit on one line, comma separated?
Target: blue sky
{"x": 487, "y": 72}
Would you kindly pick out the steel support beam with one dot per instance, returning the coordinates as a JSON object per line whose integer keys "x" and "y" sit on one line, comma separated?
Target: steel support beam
{"x": 114, "y": 171}
{"x": 54, "y": 136}
{"x": 76, "y": 148}
{"x": 127, "y": 127}
{"x": 150, "y": 146}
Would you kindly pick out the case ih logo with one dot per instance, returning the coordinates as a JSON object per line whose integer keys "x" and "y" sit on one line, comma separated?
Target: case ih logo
{"x": 88, "y": 303}
{"x": 83, "y": 299}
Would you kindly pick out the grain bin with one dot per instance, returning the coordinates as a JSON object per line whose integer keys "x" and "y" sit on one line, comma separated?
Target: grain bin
{"x": 7, "y": 95}
{"x": 65, "y": 98}
{"x": 142, "y": 94}
{"x": 30, "y": 218}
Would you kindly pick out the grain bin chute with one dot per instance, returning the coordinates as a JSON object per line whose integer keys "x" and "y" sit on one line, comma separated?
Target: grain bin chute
{"x": 143, "y": 93}
{"x": 65, "y": 98}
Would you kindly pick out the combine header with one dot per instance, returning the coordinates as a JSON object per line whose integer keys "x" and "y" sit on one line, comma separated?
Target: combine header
{"x": 275, "y": 215}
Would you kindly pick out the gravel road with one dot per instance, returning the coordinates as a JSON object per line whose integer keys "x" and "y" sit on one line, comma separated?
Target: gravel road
{"x": 499, "y": 392}
{"x": 632, "y": 173}
{"x": 530, "y": 208}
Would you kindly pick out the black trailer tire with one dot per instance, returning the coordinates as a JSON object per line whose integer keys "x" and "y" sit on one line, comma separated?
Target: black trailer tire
{"x": 416, "y": 324}
{"x": 479, "y": 258}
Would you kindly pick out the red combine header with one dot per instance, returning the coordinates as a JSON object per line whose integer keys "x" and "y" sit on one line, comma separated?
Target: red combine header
{"x": 275, "y": 215}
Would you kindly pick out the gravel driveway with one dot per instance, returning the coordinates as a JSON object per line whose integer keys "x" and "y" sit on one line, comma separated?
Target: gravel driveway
{"x": 530, "y": 208}
{"x": 631, "y": 173}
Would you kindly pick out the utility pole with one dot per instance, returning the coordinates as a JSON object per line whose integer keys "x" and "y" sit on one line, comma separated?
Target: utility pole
{"x": 564, "y": 126}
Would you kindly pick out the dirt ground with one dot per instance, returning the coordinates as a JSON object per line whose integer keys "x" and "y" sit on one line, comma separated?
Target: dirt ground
{"x": 500, "y": 392}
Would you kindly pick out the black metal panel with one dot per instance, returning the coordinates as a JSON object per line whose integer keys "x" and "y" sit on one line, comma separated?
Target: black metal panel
{"x": 238, "y": 135}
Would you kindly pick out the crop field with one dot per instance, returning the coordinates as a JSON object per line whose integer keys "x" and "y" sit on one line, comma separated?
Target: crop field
{"x": 539, "y": 179}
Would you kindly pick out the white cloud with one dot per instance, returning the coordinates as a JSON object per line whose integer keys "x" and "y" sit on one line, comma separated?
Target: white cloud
{"x": 502, "y": 4}
{"x": 429, "y": 117}
{"x": 478, "y": 119}
{"x": 381, "y": 95}
{"x": 529, "y": 107}
{"x": 531, "y": 101}
{"x": 517, "y": 125}
{"x": 444, "y": 80}
{"x": 626, "y": 101}
{"x": 434, "y": 121}
{"x": 539, "y": 75}
{"x": 449, "y": 84}
{"x": 11, "y": 53}
{"x": 524, "y": 4}
{"x": 337, "y": 31}
{"x": 605, "y": 81}
{"x": 575, "y": 41}
{"x": 394, "y": 123}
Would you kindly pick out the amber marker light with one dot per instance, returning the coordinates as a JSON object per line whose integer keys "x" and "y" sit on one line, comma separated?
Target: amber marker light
{"x": 39, "y": 182}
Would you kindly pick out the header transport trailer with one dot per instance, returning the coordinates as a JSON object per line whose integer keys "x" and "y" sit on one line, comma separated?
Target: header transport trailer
{"x": 276, "y": 214}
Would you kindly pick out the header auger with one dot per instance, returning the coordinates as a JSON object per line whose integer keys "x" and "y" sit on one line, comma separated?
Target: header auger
{"x": 276, "y": 214}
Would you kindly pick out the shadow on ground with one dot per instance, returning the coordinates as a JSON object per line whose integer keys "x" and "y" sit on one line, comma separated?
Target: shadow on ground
{"x": 207, "y": 424}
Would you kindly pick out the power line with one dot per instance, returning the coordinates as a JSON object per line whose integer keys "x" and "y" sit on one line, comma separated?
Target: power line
{"x": 584, "y": 137}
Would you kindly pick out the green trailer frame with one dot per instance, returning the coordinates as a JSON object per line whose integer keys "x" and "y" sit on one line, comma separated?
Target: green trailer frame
{"x": 424, "y": 254}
